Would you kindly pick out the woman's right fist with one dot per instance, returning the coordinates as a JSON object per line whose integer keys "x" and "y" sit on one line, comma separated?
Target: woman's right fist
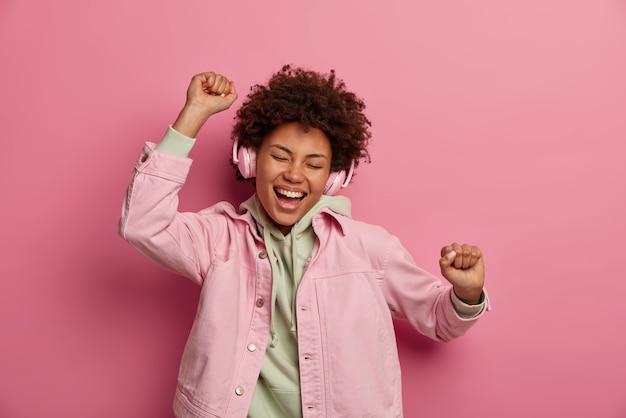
{"x": 208, "y": 93}
{"x": 211, "y": 91}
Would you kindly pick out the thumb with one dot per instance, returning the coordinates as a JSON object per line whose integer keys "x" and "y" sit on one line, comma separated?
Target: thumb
{"x": 445, "y": 262}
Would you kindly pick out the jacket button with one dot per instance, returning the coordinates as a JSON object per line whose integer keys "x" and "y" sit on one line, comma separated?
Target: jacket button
{"x": 260, "y": 302}
{"x": 263, "y": 254}
{"x": 251, "y": 347}
{"x": 239, "y": 391}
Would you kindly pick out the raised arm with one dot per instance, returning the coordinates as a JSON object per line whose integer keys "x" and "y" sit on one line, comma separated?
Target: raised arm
{"x": 150, "y": 220}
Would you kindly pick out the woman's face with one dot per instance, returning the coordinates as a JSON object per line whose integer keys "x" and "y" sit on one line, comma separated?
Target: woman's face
{"x": 291, "y": 172}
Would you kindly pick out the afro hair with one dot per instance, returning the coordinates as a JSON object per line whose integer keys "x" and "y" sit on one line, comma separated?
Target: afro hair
{"x": 314, "y": 99}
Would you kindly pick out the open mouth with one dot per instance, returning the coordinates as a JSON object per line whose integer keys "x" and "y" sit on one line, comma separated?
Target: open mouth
{"x": 288, "y": 195}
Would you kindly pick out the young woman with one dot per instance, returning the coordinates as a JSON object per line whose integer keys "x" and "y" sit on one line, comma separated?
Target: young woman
{"x": 295, "y": 316}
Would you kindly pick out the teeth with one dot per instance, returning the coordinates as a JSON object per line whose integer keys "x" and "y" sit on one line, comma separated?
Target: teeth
{"x": 293, "y": 195}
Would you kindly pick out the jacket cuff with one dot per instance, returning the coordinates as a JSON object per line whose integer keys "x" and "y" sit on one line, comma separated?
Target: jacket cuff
{"x": 468, "y": 311}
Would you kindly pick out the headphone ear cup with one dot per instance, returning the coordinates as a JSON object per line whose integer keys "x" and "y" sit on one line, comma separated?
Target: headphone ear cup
{"x": 339, "y": 180}
{"x": 246, "y": 162}
{"x": 335, "y": 182}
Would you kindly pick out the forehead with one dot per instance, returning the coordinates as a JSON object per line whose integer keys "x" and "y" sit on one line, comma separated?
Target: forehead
{"x": 293, "y": 137}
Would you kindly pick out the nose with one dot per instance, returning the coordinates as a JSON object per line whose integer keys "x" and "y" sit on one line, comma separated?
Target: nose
{"x": 293, "y": 174}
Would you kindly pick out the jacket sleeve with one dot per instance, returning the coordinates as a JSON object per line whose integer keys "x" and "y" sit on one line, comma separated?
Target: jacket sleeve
{"x": 150, "y": 220}
{"x": 420, "y": 297}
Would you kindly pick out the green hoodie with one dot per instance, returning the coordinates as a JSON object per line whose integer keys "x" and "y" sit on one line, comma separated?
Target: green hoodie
{"x": 277, "y": 393}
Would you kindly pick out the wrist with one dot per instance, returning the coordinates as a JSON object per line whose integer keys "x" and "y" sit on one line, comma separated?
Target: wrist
{"x": 469, "y": 296}
{"x": 190, "y": 120}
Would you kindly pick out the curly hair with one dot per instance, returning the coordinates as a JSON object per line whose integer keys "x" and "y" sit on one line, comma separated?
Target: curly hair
{"x": 314, "y": 99}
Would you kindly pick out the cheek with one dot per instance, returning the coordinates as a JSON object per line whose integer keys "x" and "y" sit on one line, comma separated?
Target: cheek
{"x": 265, "y": 173}
{"x": 319, "y": 183}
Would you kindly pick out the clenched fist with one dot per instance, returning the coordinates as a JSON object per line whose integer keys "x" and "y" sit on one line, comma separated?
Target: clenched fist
{"x": 463, "y": 267}
{"x": 208, "y": 93}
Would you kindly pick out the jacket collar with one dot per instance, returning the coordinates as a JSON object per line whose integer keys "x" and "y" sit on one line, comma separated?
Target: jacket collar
{"x": 328, "y": 219}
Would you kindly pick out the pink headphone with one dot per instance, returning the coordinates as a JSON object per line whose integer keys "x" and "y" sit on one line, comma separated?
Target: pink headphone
{"x": 245, "y": 158}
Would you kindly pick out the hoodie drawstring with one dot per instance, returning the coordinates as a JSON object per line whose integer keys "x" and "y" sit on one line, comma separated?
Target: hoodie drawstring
{"x": 275, "y": 277}
{"x": 294, "y": 257}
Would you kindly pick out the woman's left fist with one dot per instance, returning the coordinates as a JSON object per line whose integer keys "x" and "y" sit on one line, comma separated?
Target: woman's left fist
{"x": 463, "y": 267}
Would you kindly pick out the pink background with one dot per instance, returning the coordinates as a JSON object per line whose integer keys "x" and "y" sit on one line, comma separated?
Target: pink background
{"x": 499, "y": 123}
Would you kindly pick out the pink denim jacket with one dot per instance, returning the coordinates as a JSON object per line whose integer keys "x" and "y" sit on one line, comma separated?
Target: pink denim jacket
{"x": 357, "y": 279}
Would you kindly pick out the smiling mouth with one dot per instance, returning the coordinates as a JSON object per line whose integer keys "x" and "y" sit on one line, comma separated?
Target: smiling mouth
{"x": 288, "y": 194}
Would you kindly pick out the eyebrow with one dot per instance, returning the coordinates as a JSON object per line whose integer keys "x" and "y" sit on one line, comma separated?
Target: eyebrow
{"x": 290, "y": 152}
